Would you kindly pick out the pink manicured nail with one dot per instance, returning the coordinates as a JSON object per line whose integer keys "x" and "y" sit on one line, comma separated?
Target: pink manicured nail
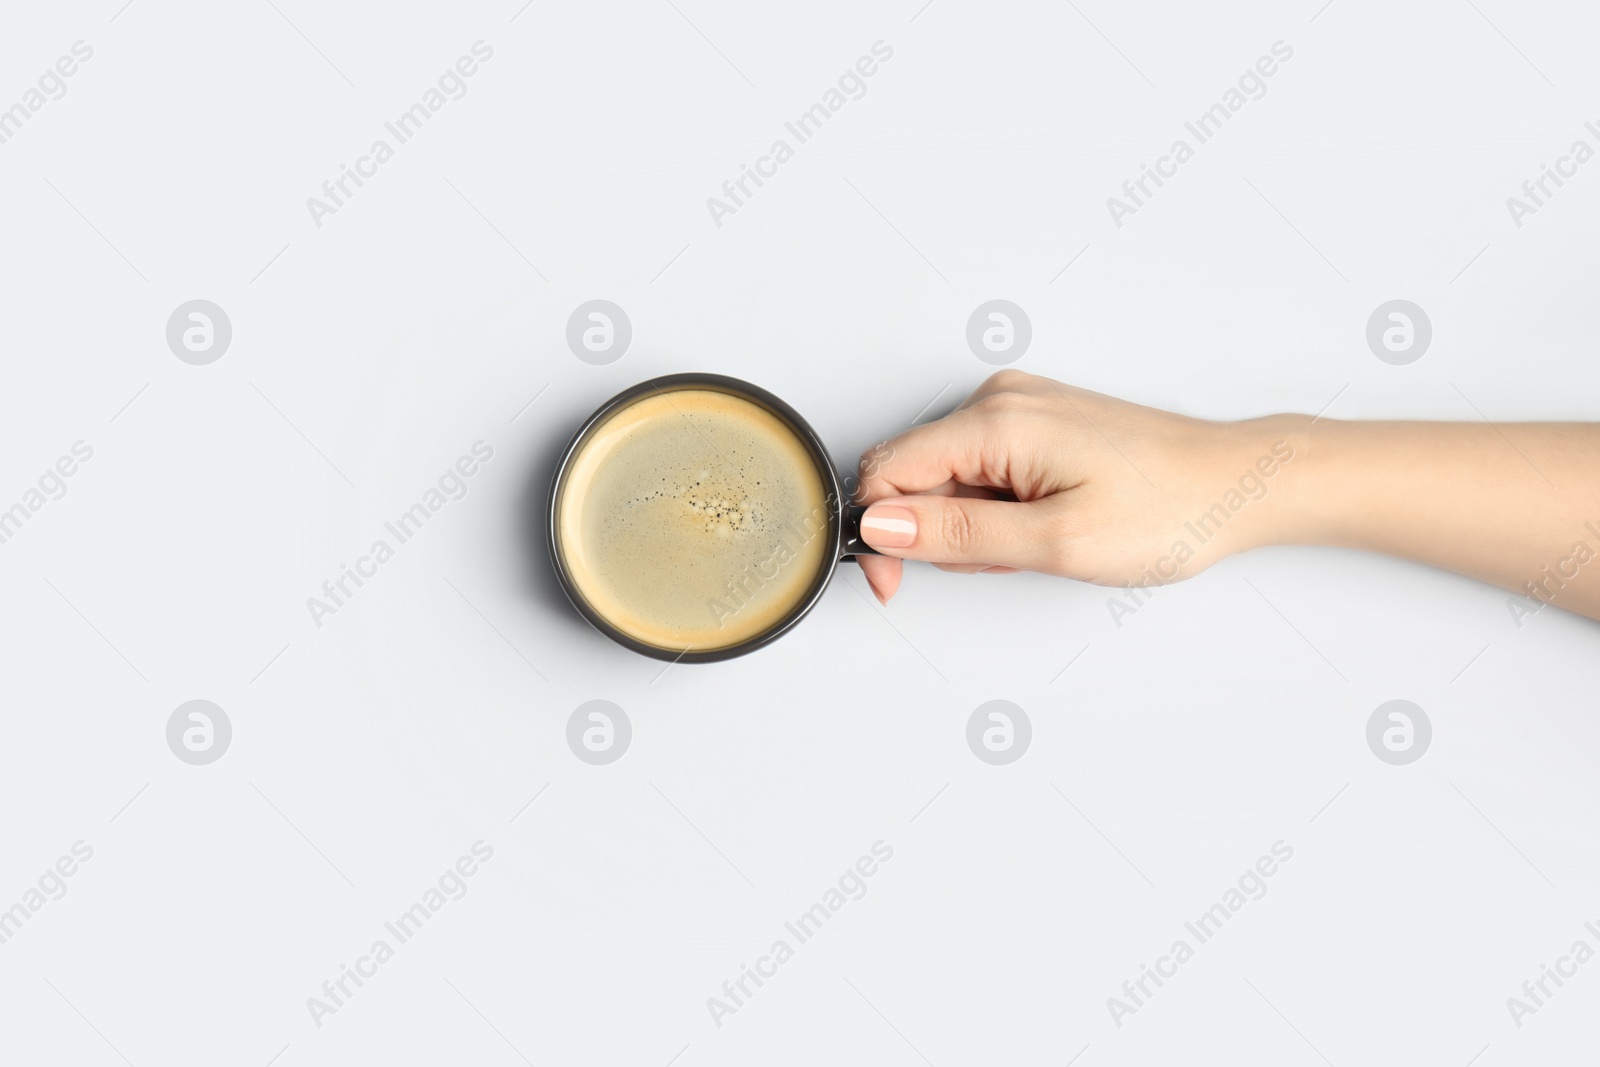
{"x": 888, "y": 526}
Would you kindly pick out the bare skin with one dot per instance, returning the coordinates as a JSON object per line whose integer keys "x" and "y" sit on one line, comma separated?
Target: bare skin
{"x": 1032, "y": 474}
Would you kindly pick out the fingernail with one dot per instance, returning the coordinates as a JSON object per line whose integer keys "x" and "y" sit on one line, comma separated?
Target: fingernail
{"x": 889, "y": 526}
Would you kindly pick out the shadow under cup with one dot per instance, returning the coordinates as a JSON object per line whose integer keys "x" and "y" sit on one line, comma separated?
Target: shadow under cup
{"x": 697, "y": 517}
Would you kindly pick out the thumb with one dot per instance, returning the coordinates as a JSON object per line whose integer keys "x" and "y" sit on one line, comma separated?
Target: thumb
{"x": 955, "y": 529}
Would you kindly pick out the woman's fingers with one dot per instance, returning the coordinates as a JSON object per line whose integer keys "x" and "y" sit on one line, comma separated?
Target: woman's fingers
{"x": 974, "y": 568}
{"x": 967, "y": 530}
{"x": 943, "y": 491}
{"x": 927, "y": 457}
{"x": 883, "y": 574}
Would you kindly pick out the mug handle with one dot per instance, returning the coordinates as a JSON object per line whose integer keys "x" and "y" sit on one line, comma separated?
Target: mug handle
{"x": 850, "y": 543}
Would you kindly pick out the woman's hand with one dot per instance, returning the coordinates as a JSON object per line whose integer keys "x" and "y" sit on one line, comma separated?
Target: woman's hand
{"x": 1031, "y": 474}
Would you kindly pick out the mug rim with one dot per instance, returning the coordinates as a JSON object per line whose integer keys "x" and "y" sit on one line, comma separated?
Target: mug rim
{"x": 665, "y": 383}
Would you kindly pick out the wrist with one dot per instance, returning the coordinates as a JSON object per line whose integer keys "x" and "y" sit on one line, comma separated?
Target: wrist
{"x": 1269, "y": 460}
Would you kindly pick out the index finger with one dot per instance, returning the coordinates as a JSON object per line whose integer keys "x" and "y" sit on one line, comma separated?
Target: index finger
{"x": 935, "y": 457}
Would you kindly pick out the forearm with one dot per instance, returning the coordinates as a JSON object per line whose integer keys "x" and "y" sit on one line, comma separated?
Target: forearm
{"x": 1516, "y": 505}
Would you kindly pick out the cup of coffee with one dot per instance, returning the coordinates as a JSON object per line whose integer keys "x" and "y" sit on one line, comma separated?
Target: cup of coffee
{"x": 696, "y": 517}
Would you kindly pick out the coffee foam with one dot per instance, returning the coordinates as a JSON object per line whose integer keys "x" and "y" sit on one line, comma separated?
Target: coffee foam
{"x": 693, "y": 519}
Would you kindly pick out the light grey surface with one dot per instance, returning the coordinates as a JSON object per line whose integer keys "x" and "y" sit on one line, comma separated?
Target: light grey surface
{"x": 431, "y": 711}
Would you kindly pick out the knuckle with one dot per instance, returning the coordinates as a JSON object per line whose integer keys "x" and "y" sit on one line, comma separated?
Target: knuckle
{"x": 874, "y": 458}
{"x": 1002, "y": 405}
{"x": 867, "y": 478}
{"x": 958, "y": 533}
{"x": 1008, "y": 380}
{"x": 874, "y": 461}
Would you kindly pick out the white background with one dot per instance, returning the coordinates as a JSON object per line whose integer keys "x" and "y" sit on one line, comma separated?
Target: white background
{"x": 370, "y": 353}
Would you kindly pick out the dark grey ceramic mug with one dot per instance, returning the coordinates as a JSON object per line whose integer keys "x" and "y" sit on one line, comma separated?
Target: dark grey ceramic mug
{"x": 844, "y": 519}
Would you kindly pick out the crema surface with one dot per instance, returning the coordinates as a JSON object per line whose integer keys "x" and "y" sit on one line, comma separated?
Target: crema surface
{"x": 693, "y": 519}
